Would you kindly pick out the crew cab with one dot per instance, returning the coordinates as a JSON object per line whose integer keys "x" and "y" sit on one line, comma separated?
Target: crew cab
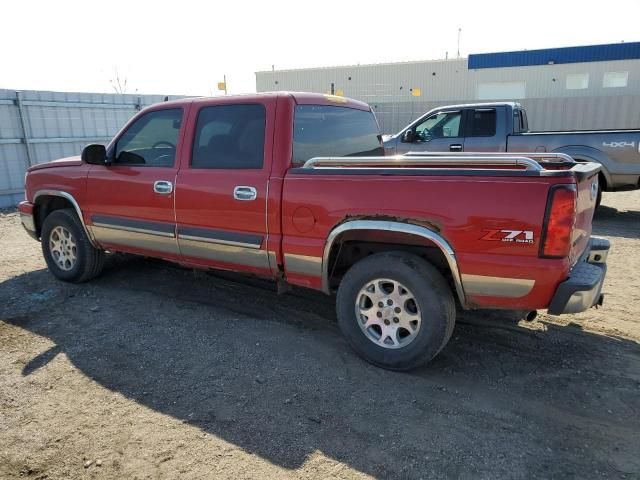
{"x": 503, "y": 127}
{"x": 292, "y": 187}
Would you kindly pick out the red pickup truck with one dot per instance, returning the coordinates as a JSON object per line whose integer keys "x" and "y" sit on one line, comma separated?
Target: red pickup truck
{"x": 291, "y": 186}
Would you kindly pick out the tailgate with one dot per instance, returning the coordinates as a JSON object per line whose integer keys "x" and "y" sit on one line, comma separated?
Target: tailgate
{"x": 587, "y": 185}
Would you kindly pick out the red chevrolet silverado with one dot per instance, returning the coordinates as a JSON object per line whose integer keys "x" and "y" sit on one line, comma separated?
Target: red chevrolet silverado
{"x": 292, "y": 186}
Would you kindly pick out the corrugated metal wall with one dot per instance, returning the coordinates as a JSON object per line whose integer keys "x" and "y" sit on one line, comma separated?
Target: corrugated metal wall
{"x": 587, "y": 53}
{"x": 388, "y": 88}
{"x": 38, "y": 126}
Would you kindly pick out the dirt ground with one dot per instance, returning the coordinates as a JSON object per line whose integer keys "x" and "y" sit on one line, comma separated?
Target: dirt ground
{"x": 153, "y": 371}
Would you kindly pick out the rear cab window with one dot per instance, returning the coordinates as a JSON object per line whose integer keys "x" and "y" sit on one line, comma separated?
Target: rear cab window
{"x": 332, "y": 131}
{"x": 482, "y": 123}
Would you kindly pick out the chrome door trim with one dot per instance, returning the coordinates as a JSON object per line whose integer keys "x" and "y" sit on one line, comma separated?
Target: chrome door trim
{"x": 68, "y": 196}
{"x": 136, "y": 239}
{"x": 223, "y": 237}
{"x": 149, "y": 227}
{"x": 133, "y": 229}
{"x": 223, "y": 246}
{"x": 399, "y": 227}
{"x": 245, "y": 193}
{"x": 220, "y": 242}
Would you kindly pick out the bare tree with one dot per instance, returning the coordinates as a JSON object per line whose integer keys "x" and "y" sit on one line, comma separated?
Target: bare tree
{"x": 119, "y": 85}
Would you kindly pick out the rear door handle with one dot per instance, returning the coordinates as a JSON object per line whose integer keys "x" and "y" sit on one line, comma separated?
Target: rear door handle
{"x": 162, "y": 187}
{"x": 455, "y": 147}
{"x": 242, "y": 192}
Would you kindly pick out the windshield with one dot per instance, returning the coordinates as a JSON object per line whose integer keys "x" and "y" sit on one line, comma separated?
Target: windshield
{"x": 328, "y": 131}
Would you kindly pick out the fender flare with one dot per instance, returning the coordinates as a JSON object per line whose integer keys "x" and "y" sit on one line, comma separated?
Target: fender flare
{"x": 390, "y": 226}
{"x": 72, "y": 200}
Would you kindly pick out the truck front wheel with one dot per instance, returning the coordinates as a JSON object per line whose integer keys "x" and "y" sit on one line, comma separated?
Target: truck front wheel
{"x": 67, "y": 249}
{"x": 395, "y": 310}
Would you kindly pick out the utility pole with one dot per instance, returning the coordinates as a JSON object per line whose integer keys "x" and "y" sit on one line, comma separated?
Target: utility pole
{"x": 223, "y": 84}
{"x": 459, "y": 30}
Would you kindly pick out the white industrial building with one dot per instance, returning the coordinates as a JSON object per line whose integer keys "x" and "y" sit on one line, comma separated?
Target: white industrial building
{"x": 589, "y": 87}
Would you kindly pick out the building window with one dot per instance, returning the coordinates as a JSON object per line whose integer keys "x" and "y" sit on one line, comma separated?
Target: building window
{"x": 501, "y": 90}
{"x": 577, "y": 81}
{"x": 615, "y": 79}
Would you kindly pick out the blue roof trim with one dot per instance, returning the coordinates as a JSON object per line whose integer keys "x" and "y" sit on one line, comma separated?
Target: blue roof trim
{"x": 592, "y": 53}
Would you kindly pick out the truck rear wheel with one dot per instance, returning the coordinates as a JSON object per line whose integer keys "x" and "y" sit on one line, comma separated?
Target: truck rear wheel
{"x": 395, "y": 310}
{"x": 67, "y": 249}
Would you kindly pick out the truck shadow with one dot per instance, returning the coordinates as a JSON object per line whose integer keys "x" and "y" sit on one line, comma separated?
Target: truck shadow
{"x": 612, "y": 222}
{"x": 272, "y": 375}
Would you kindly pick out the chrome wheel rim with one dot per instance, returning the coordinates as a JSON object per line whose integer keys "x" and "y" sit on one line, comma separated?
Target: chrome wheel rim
{"x": 388, "y": 313}
{"x": 63, "y": 248}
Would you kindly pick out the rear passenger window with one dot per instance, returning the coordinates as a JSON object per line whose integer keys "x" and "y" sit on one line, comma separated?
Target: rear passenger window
{"x": 229, "y": 136}
{"x": 483, "y": 123}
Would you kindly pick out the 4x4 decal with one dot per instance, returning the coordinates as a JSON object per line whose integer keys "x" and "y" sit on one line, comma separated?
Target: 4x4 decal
{"x": 515, "y": 236}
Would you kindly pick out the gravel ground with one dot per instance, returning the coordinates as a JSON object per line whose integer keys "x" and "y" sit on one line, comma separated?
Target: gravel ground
{"x": 153, "y": 371}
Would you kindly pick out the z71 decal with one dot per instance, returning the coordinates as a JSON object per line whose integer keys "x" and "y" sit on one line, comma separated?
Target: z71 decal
{"x": 512, "y": 236}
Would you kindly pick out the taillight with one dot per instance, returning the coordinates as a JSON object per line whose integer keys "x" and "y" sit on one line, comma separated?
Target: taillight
{"x": 559, "y": 220}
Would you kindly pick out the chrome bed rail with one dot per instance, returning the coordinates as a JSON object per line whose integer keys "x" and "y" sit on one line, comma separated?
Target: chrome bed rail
{"x": 417, "y": 161}
{"x": 538, "y": 156}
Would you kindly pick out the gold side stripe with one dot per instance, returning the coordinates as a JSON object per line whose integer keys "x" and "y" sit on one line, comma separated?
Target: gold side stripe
{"x": 496, "y": 286}
{"x": 303, "y": 264}
{"x": 136, "y": 230}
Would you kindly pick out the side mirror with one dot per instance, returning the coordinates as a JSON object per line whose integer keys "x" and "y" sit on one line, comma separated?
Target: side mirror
{"x": 407, "y": 137}
{"x": 94, "y": 154}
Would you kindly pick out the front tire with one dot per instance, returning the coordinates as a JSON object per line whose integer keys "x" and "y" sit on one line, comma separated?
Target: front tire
{"x": 395, "y": 310}
{"x": 67, "y": 249}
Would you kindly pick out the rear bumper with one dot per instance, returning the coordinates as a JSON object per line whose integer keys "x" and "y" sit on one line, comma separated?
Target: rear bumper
{"x": 583, "y": 289}
{"x": 26, "y": 210}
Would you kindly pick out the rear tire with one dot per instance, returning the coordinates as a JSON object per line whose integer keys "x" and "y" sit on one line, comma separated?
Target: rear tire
{"x": 599, "y": 196}
{"x": 67, "y": 249}
{"x": 395, "y": 310}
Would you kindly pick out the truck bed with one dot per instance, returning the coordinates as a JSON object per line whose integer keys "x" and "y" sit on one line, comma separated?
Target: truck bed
{"x": 460, "y": 198}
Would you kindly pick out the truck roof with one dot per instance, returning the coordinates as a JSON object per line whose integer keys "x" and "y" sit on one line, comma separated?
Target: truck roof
{"x": 301, "y": 98}
{"x": 481, "y": 105}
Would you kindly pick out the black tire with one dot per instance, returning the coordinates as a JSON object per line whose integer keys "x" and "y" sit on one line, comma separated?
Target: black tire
{"x": 599, "y": 196}
{"x": 89, "y": 260}
{"x": 431, "y": 292}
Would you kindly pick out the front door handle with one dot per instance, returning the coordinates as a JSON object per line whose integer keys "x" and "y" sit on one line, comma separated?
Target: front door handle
{"x": 455, "y": 147}
{"x": 163, "y": 187}
{"x": 242, "y": 192}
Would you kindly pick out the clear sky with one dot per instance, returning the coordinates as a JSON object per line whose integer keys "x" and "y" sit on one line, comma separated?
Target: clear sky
{"x": 185, "y": 47}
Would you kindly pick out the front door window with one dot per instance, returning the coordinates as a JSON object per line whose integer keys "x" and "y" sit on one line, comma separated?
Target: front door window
{"x": 151, "y": 140}
{"x": 441, "y": 125}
